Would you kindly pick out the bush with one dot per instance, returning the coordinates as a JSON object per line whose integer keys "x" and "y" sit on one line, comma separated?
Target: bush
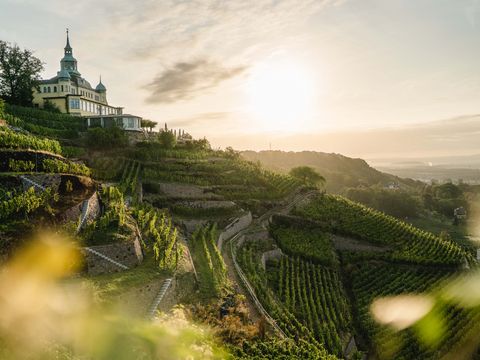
{"x": 51, "y": 107}
{"x": 72, "y": 151}
{"x": 100, "y": 138}
{"x": 167, "y": 139}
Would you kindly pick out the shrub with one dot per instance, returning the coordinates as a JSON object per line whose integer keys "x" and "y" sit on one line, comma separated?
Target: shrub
{"x": 101, "y": 138}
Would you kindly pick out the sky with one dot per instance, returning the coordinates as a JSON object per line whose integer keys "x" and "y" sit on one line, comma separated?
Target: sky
{"x": 327, "y": 75}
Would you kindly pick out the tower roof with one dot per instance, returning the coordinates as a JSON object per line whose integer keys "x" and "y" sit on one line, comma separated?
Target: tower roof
{"x": 100, "y": 87}
{"x": 68, "y": 62}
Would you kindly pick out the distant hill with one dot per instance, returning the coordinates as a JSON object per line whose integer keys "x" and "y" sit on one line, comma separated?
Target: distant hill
{"x": 339, "y": 171}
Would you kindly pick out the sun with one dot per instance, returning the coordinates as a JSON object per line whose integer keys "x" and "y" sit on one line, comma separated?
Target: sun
{"x": 280, "y": 94}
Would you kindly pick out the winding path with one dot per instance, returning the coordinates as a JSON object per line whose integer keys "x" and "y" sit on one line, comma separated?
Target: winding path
{"x": 236, "y": 273}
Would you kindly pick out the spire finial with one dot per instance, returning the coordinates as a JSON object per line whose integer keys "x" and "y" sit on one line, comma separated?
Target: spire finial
{"x": 100, "y": 78}
{"x": 67, "y": 46}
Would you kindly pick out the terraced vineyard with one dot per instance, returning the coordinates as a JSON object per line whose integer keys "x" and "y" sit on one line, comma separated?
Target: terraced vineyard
{"x": 233, "y": 179}
{"x": 411, "y": 245}
{"x": 44, "y": 123}
{"x": 210, "y": 266}
{"x": 10, "y": 139}
{"x": 160, "y": 234}
{"x": 107, "y": 168}
{"x": 315, "y": 296}
{"x": 311, "y": 244}
{"x": 293, "y": 327}
{"x": 281, "y": 349}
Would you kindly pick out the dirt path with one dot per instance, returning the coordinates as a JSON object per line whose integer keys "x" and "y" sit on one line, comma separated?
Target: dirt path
{"x": 236, "y": 281}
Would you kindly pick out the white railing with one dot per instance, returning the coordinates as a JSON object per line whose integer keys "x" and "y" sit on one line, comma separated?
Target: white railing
{"x": 250, "y": 289}
{"x": 33, "y": 183}
{"x": 105, "y": 257}
{"x": 158, "y": 299}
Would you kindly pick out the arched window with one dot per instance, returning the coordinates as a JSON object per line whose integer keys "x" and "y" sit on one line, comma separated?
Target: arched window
{"x": 44, "y": 89}
{"x": 49, "y": 89}
{"x": 54, "y": 89}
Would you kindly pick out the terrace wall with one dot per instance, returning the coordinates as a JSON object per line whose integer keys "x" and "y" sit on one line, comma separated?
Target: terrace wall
{"x": 233, "y": 228}
{"x": 127, "y": 253}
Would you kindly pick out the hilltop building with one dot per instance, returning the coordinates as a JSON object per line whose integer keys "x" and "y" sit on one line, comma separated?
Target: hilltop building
{"x": 74, "y": 95}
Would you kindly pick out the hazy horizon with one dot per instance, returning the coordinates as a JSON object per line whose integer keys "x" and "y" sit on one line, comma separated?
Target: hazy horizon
{"x": 362, "y": 78}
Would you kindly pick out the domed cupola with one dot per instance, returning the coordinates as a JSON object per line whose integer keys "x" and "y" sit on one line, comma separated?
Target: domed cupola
{"x": 63, "y": 74}
{"x": 100, "y": 87}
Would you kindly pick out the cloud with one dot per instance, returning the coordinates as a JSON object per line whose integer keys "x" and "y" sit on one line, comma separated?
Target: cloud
{"x": 185, "y": 80}
{"x": 202, "y": 119}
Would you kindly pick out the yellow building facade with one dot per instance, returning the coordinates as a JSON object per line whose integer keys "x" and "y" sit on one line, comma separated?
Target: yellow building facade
{"x": 71, "y": 93}
{"x": 74, "y": 95}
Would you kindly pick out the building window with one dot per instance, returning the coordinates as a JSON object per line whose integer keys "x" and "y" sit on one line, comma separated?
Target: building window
{"x": 49, "y": 89}
{"x": 74, "y": 104}
{"x": 61, "y": 87}
{"x": 131, "y": 123}
{"x": 55, "y": 89}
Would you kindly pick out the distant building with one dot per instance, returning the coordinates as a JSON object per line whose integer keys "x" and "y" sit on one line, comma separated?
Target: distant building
{"x": 460, "y": 213}
{"x": 392, "y": 186}
{"x": 181, "y": 136}
{"x": 74, "y": 95}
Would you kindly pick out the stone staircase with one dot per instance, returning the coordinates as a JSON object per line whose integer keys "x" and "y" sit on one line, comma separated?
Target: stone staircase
{"x": 158, "y": 299}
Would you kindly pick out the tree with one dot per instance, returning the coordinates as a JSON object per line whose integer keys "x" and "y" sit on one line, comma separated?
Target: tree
{"x": 231, "y": 153}
{"x": 149, "y": 124}
{"x": 167, "y": 139}
{"x": 19, "y": 74}
{"x": 307, "y": 175}
{"x": 51, "y": 107}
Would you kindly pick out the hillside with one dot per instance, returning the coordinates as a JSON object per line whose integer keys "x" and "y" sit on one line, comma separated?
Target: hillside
{"x": 339, "y": 171}
{"x": 271, "y": 268}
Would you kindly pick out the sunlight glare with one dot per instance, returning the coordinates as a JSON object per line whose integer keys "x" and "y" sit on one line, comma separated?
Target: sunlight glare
{"x": 280, "y": 94}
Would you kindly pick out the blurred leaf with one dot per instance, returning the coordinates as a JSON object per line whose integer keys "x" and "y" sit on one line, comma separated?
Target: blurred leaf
{"x": 401, "y": 311}
{"x": 465, "y": 291}
{"x": 431, "y": 328}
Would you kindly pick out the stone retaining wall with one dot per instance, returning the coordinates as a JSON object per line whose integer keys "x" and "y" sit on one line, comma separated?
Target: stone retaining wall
{"x": 233, "y": 228}
{"x": 128, "y": 253}
{"x": 206, "y": 204}
{"x": 270, "y": 255}
{"x": 47, "y": 181}
{"x": 92, "y": 212}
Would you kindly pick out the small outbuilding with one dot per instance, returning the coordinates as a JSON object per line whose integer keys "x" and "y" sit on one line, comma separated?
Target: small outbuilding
{"x": 460, "y": 213}
{"x": 124, "y": 121}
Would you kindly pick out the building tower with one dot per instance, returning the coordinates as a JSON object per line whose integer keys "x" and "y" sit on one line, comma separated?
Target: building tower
{"x": 68, "y": 62}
